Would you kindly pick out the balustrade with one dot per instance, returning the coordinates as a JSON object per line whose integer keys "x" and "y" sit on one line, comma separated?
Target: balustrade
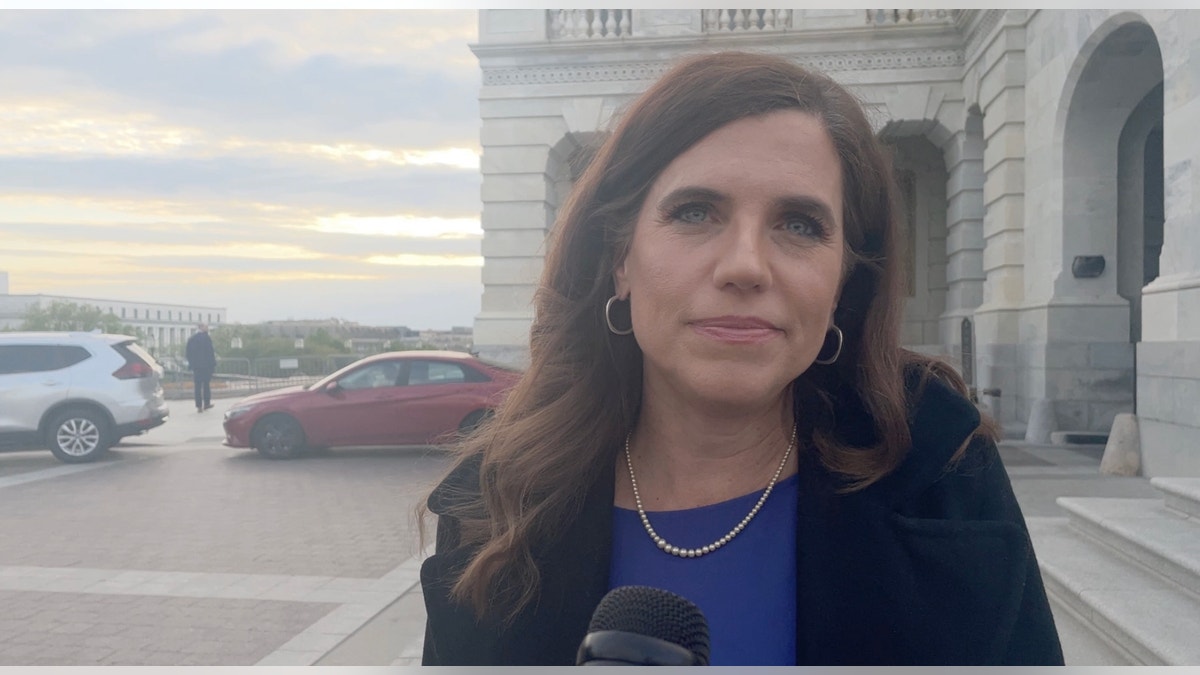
{"x": 589, "y": 24}
{"x": 610, "y": 24}
{"x": 746, "y": 20}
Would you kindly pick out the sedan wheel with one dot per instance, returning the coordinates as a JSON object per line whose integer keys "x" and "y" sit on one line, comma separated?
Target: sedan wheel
{"x": 77, "y": 436}
{"x": 278, "y": 437}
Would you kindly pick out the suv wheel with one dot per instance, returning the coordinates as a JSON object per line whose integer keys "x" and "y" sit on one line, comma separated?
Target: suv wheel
{"x": 78, "y": 435}
{"x": 277, "y": 436}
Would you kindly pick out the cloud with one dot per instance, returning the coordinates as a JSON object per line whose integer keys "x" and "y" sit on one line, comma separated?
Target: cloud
{"x": 298, "y": 183}
{"x": 301, "y": 76}
{"x": 45, "y": 129}
{"x": 252, "y": 242}
{"x": 294, "y": 163}
{"x": 402, "y": 226}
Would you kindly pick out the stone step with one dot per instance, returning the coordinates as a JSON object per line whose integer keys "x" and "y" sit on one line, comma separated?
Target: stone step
{"x": 1181, "y": 494}
{"x": 1143, "y": 530}
{"x": 1138, "y": 614}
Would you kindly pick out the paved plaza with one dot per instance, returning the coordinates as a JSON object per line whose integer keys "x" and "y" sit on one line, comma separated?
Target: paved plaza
{"x": 175, "y": 550}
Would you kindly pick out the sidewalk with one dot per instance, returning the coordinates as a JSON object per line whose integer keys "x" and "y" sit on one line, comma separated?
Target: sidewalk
{"x": 1040, "y": 474}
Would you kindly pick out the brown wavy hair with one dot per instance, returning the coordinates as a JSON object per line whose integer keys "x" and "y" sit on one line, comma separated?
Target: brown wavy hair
{"x": 560, "y": 428}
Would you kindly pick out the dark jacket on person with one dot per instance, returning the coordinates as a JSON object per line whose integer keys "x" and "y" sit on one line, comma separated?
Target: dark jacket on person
{"x": 928, "y": 566}
{"x": 200, "y": 354}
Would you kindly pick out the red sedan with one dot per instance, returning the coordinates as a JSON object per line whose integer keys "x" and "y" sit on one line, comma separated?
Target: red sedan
{"x": 397, "y": 398}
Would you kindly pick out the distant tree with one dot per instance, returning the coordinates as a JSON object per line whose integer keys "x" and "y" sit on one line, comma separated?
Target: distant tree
{"x": 62, "y": 315}
{"x": 255, "y": 344}
{"x": 320, "y": 342}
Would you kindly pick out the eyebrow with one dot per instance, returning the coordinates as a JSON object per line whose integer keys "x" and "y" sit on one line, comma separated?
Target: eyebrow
{"x": 802, "y": 203}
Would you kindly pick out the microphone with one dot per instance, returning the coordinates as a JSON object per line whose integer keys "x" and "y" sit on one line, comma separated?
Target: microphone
{"x": 644, "y": 626}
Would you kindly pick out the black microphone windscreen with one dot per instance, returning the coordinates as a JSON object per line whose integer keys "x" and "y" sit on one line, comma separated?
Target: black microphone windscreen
{"x": 655, "y": 613}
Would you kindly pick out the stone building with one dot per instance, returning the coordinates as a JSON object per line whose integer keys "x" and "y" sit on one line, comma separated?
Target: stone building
{"x": 1050, "y": 169}
{"x": 163, "y": 328}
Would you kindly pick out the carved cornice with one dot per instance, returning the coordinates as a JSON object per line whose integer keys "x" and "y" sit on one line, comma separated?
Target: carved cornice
{"x": 614, "y": 72}
{"x": 900, "y": 59}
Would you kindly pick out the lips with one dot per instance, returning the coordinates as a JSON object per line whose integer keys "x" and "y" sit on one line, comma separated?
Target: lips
{"x": 736, "y": 323}
{"x": 737, "y": 329}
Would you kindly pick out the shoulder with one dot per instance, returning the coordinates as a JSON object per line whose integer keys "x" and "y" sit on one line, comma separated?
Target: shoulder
{"x": 953, "y": 481}
{"x": 940, "y": 419}
{"x": 459, "y": 488}
{"x": 940, "y": 422}
{"x": 454, "y": 496}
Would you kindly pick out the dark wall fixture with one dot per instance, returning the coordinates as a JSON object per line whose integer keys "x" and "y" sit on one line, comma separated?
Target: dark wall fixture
{"x": 1087, "y": 266}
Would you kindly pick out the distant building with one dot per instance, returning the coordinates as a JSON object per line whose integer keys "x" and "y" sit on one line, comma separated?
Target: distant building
{"x": 459, "y": 338}
{"x": 161, "y": 326}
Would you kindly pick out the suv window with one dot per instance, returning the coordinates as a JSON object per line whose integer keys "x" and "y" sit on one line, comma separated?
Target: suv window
{"x": 69, "y": 355}
{"x": 39, "y": 358}
{"x": 136, "y": 350}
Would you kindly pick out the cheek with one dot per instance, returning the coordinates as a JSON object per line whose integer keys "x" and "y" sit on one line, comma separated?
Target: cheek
{"x": 816, "y": 287}
{"x": 658, "y": 291}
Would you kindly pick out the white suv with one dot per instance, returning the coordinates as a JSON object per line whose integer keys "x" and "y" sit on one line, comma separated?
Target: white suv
{"x": 78, "y": 393}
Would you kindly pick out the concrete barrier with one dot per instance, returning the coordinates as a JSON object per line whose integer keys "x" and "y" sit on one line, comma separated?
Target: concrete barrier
{"x": 1123, "y": 453}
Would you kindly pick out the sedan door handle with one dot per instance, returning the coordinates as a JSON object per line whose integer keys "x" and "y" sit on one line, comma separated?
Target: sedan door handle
{"x": 51, "y": 383}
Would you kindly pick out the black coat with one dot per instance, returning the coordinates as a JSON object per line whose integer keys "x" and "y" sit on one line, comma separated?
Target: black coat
{"x": 200, "y": 354}
{"x": 925, "y": 567}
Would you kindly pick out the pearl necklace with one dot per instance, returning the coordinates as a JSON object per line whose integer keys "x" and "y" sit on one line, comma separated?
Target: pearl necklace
{"x": 704, "y": 550}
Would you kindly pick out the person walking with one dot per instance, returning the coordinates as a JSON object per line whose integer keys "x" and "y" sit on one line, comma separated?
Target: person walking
{"x": 202, "y": 360}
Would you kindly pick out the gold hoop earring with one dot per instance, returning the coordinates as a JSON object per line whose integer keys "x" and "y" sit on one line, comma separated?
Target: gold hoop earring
{"x": 608, "y": 318}
{"x": 836, "y": 354}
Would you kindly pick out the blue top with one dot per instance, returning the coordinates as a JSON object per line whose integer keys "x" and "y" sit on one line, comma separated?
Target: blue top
{"x": 746, "y": 589}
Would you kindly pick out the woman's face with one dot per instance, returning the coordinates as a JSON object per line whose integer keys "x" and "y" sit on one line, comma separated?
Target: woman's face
{"x": 734, "y": 269}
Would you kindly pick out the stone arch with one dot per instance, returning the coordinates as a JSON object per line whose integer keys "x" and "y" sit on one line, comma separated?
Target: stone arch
{"x": 941, "y": 181}
{"x": 1107, "y": 114}
{"x": 1121, "y": 67}
{"x": 1075, "y": 78}
{"x": 921, "y": 177}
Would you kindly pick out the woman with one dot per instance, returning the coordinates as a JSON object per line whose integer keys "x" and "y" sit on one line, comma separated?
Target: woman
{"x": 717, "y": 404}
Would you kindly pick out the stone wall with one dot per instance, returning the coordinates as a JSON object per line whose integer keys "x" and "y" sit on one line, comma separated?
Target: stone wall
{"x": 1092, "y": 76}
{"x": 1037, "y": 121}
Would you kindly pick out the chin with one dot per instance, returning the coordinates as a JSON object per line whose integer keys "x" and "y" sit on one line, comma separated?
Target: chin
{"x": 732, "y": 389}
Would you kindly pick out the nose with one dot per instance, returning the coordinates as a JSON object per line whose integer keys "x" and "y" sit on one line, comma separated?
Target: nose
{"x": 742, "y": 257}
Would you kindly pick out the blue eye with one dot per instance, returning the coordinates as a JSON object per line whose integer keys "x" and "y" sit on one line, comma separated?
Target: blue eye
{"x": 691, "y": 213}
{"x": 804, "y": 226}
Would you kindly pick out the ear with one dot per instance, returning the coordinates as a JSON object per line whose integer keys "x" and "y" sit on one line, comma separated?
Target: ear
{"x": 621, "y": 280}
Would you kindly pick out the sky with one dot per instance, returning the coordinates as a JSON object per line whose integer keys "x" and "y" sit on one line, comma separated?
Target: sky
{"x": 277, "y": 164}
